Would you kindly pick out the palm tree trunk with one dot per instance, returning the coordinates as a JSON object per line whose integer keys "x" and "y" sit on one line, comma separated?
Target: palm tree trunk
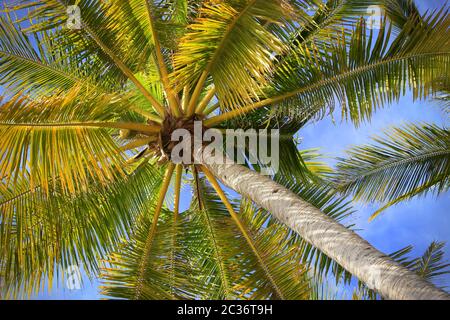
{"x": 356, "y": 255}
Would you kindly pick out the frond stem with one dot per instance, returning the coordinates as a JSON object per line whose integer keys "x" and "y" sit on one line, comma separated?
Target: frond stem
{"x": 216, "y": 247}
{"x": 137, "y": 143}
{"x": 161, "y": 65}
{"x": 143, "y": 128}
{"x": 176, "y": 212}
{"x": 151, "y": 234}
{"x": 204, "y": 103}
{"x": 211, "y": 109}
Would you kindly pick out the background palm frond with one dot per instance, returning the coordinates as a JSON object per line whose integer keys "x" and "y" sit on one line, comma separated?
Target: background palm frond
{"x": 408, "y": 161}
{"x": 333, "y": 15}
{"x": 121, "y": 275}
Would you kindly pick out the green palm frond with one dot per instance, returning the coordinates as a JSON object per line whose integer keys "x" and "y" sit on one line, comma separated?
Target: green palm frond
{"x": 35, "y": 131}
{"x": 399, "y": 11}
{"x": 110, "y": 36}
{"x": 360, "y": 72}
{"x": 230, "y": 42}
{"x": 35, "y": 65}
{"x": 115, "y": 26}
{"x": 150, "y": 78}
{"x": 335, "y": 17}
{"x": 290, "y": 161}
{"x": 166, "y": 20}
{"x": 301, "y": 165}
{"x": 43, "y": 233}
{"x": 166, "y": 269}
{"x": 120, "y": 275}
{"x": 365, "y": 71}
{"x": 315, "y": 164}
{"x": 332, "y": 15}
{"x": 430, "y": 265}
{"x": 442, "y": 98}
{"x": 408, "y": 161}
{"x": 213, "y": 242}
{"x": 46, "y": 52}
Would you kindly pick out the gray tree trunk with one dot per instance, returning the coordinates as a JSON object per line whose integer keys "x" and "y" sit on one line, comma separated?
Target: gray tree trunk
{"x": 356, "y": 255}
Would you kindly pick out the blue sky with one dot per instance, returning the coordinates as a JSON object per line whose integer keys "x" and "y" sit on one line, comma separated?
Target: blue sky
{"x": 416, "y": 223}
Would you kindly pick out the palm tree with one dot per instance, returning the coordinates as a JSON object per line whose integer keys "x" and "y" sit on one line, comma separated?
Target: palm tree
{"x": 90, "y": 108}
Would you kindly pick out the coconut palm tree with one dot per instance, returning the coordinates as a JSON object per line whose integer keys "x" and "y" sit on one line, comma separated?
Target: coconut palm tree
{"x": 94, "y": 92}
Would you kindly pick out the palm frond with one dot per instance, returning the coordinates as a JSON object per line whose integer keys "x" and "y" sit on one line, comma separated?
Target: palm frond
{"x": 230, "y": 42}
{"x": 121, "y": 275}
{"x": 149, "y": 239}
{"x": 365, "y": 71}
{"x": 290, "y": 162}
{"x": 116, "y": 24}
{"x": 399, "y": 11}
{"x": 211, "y": 242}
{"x": 430, "y": 265}
{"x": 315, "y": 164}
{"x": 149, "y": 266}
{"x": 360, "y": 73}
{"x": 35, "y": 132}
{"x": 36, "y": 66}
{"x": 330, "y": 17}
{"x": 407, "y": 161}
{"x": 28, "y": 65}
{"x": 44, "y": 233}
{"x": 442, "y": 98}
{"x": 103, "y": 37}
